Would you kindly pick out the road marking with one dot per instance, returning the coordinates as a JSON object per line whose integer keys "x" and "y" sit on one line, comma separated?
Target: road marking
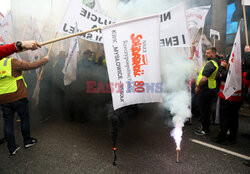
{"x": 220, "y": 149}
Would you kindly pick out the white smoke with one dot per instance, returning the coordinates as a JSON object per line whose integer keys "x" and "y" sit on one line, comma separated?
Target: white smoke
{"x": 124, "y": 9}
{"x": 177, "y": 69}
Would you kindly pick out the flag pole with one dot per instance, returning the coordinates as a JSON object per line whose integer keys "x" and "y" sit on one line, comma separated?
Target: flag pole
{"x": 69, "y": 36}
{"x": 50, "y": 48}
{"x": 202, "y": 32}
{"x": 197, "y": 34}
{"x": 191, "y": 58}
{"x": 245, "y": 21}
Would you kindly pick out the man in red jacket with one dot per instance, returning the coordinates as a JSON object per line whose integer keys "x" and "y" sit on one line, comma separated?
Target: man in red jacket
{"x": 8, "y": 49}
{"x": 229, "y": 109}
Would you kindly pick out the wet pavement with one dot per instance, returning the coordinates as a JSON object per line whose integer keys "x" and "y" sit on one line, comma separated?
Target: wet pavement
{"x": 144, "y": 146}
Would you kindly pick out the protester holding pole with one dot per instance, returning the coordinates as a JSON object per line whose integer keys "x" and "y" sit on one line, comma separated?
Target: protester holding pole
{"x": 247, "y": 50}
{"x": 231, "y": 94}
{"x": 8, "y": 49}
{"x": 13, "y": 98}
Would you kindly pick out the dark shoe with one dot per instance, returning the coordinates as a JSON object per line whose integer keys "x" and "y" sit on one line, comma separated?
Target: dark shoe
{"x": 13, "y": 152}
{"x": 2, "y": 140}
{"x": 30, "y": 143}
{"x": 220, "y": 141}
{"x": 200, "y": 132}
{"x": 247, "y": 163}
{"x": 231, "y": 140}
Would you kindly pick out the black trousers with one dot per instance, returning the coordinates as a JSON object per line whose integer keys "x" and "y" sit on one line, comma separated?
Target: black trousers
{"x": 205, "y": 98}
{"x": 9, "y": 109}
{"x": 229, "y": 118}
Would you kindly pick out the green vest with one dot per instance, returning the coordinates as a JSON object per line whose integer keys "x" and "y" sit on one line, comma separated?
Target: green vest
{"x": 104, "y": 62}
{"x": 211, "y": 79}
{"x": 8, "y": 83}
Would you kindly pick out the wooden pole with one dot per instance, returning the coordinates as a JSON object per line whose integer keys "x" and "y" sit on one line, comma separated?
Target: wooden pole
{"x": 197, "y": 34}
{"x": 214, "y": 42}
{"x": 50, "y": 48}
{"x": 192, "y": 51}
{"x": 245, "y": 22}
{"x": 69, "y": 36}
{"x": 191, "y": 58}
{"x": 202, "y": 32}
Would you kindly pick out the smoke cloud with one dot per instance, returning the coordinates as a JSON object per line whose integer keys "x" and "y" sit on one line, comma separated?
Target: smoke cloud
{"x": 46, "y": 16}
{"x": 176, "y": 68}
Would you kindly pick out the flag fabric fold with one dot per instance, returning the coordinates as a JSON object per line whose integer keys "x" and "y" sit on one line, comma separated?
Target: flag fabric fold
{"x": 70, "y": 66}
{"x": 234, "y": 76}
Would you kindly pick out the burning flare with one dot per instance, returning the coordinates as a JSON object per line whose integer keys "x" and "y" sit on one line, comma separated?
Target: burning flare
{"x": 176, "y": 133}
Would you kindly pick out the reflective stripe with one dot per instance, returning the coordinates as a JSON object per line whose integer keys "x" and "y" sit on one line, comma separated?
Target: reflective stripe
{"x": 8, "y": 83}
{"x": 5, "y": 62}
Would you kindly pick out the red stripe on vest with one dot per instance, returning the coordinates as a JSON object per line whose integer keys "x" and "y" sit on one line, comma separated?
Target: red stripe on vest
{"x": 235, "y": 97}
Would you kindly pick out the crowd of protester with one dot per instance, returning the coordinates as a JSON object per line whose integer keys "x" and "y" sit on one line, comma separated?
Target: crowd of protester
{"x": 208, "y": 101}
{"x": 71, "y": 101}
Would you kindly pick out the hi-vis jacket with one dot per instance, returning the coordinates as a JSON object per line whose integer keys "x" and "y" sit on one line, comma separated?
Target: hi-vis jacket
{"x": 211, "y": 79}
{"x": 8, "y": 83}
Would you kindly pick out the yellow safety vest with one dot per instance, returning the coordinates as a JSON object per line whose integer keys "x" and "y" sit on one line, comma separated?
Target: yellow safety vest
{"x": 8, "y": 83}
{"x": 90, "y": 59}
{"x": 104, "y": 62}
{"x": 211, "y": 79}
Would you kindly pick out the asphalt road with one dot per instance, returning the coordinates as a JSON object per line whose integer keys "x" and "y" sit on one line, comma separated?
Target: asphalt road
{"x": 145, "y": 146}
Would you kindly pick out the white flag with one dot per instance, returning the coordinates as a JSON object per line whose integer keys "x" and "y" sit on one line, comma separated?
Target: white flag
{"x": 6, "y": 29}
{"x": 234, "y": 76}
{"x": 36, "y": 55}
{"x": 97, "y": 6}
{"x": 69, "y": 69}
{"x": 214, "y": 34}
{"x": 246, "y": 2}
{"x": 33, "y": 56}
{"x": 86, "y": 18}
{"x": 133, "y": 60}
{"x": 1, "y": 17}
{"x": 36, "y": 92}
{"x": 27, "y": 29}
{"x": 174, "y": 32}
{"x": 198, "y": 56}
{"x": 196, "y": 16}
